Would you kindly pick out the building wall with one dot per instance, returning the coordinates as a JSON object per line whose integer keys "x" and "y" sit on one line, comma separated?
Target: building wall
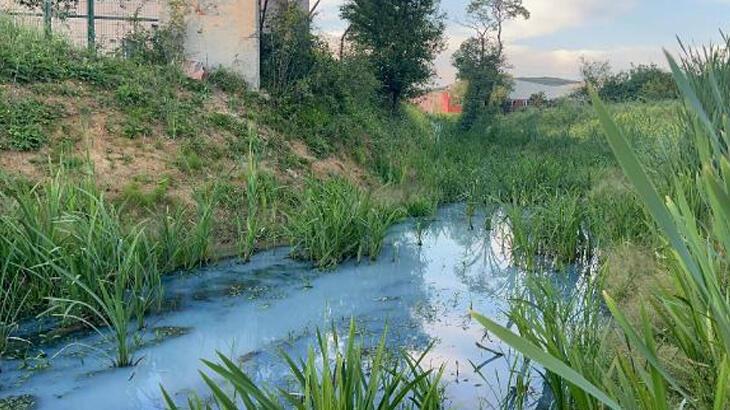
{"x": 438, "y": 102}
{"x": 224, "y": 33}
{"x": 219, "y": 33}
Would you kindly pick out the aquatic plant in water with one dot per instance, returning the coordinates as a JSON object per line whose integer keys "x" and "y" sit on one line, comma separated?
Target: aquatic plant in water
{"x": 335, "y": 221}
{"x": 349, "y": 380}
{"x": 111, "y": 306}
{"x": 12, "y": 296}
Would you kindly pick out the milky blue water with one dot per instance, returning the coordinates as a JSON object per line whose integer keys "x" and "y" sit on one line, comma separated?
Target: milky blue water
{"x": 249, "y": 311}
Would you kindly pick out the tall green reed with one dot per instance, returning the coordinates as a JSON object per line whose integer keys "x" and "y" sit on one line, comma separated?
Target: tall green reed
{"x": 13, "y": 295}
{"x": 248, "y": 234}
{"x": 111, "y": 308}
{"x": 694, "y": 310}
{"x": 349, "y": 380}
{"x": 76, "y": 257}
{"x": 335, "y": 220}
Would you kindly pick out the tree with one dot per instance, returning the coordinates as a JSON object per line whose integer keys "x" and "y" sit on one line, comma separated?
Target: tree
{"x": 487, "y": 17}
{"x": 641, "y": 82}
{"x": 478, "y": 65}
{"x": 480, "y": 60}
{"x": 538, "y": 100}
{"x": 401, "y": 39}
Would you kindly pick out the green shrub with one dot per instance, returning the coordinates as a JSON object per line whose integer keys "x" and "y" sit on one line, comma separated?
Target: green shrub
{"x": 26, "y": 123}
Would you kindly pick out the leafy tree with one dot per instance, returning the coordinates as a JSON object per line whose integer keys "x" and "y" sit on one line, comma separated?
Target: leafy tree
{"x": 288, "y": 49}
{"x": 480, "y": 60}
{"x": 401, "y": 38}
{"x": 595, "y": 73}
{"x": 477, "y": 64}
{"x": 538, "y": 99}
{"x": 642, "y": 82}
{"x": 487, "y": 17}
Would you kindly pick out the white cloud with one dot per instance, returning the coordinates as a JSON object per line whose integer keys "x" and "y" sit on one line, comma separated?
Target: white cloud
{"x": 550, "y": 16}
{"x": 565, "y": 63}
{"x": 528, "y": 61}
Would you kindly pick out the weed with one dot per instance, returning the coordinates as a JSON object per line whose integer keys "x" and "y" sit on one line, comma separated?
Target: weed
{"x": 248, "y": 236}
{"x": 26, "y": 123}
{"x": 134, "y": 195}
{"x": 335, "y": 221}
{"x": 347, "y": 380}
{"x": 694, "y": 310}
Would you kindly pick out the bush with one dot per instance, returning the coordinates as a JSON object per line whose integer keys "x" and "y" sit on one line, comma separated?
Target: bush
{"x": 640, "y": 83}
{"x": 26, "y": 123}
{"x": 336, "y": 221}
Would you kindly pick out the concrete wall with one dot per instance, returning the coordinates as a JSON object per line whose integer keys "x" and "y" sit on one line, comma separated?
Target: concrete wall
{"x": 224, "y": 33}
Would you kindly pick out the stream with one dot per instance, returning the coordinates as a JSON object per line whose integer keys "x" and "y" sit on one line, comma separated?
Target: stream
{"x": 250, "y": 311}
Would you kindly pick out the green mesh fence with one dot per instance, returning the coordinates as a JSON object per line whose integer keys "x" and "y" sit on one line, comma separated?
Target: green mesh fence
{"x": 100, "y": 24}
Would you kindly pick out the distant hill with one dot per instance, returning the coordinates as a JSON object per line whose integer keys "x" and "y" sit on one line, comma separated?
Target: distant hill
{"x": 549, "y": 81}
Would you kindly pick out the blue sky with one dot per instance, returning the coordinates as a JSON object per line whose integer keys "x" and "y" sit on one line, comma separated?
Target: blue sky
{"x": 560, "y": 32}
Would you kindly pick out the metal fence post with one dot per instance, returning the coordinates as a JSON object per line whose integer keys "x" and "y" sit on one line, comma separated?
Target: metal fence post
{"x": 91, "y": 25}
{"x": 47, "y": 8}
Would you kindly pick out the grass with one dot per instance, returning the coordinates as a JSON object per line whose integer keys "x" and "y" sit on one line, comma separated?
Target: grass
{"x": 13, "y": 298}
{"x": 73, "y": 256}
{"x": 336, "y": 221}
{"x": 693, "y": 308}
{"x": 349, "y": 379}
{"x": 249, "y": 233}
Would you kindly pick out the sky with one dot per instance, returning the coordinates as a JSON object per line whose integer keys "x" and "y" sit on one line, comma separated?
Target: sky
{"x": 560, "y": 32}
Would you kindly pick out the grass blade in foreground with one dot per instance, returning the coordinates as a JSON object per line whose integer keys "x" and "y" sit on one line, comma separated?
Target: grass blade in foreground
{"x": 546, "y": 360}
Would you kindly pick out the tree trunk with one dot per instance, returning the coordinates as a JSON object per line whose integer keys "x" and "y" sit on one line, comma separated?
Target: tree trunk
{"x": 342, "y": 41}
{"x": 394, "y": 99}
{"x": 262, "y": 21}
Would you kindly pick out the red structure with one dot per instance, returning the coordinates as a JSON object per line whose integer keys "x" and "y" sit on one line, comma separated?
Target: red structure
{"x": 439, "y": 102}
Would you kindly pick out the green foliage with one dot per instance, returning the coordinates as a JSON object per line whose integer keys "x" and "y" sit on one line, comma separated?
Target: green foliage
{"x": 538, "y": 100}
{"x": 693, "y": 309}
{"x": 249, "y": 231}
{"x": 69, "y": 252}
{"x": 26, "y": 123}
{"x": 289, "y": 50}
{"x": 159, "y": 46}
{"x": 26, "y": 55}
{"x": 640, "y": 83}
{"x": 147, "y": 92}
{"x": 401, "y": 39}
{"x": 13, "y": 296}
{"x": 335, "y": 221}
{"x": 566, "y": 324}
{"x": 480, "y": 60}
{"x": 228, "y": 81}
{"x": 346, "y": 380}
{"x": 134, "y": 195}
{"x": 326, "y": 100}
{"x": 479, "y": 65}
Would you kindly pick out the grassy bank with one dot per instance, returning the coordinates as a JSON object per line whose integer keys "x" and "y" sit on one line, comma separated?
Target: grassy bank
{"x": 114, "y": 172}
